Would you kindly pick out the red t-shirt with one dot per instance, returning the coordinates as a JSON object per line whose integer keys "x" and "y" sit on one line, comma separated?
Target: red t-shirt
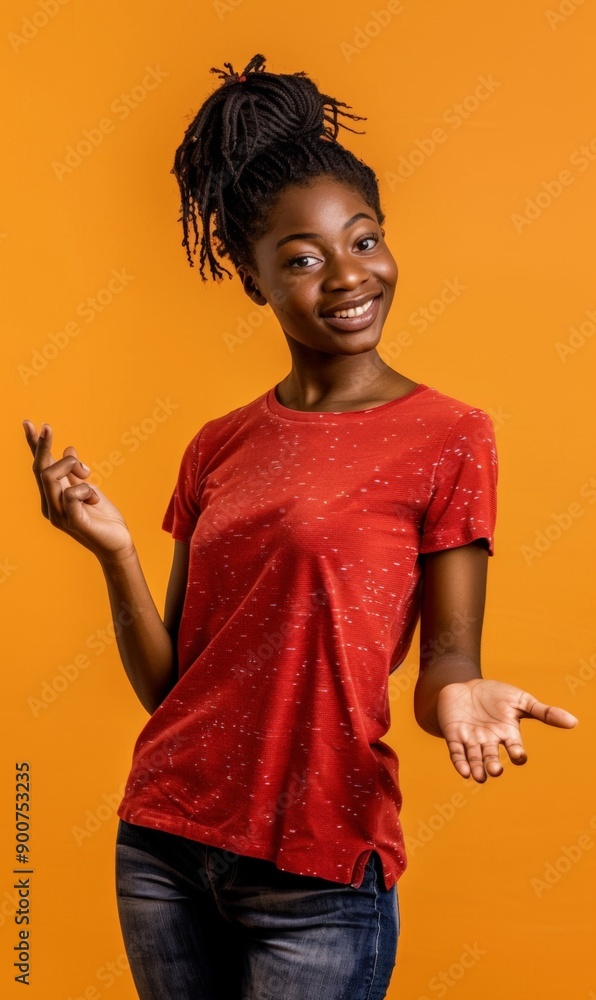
{"x": 303, "y": 595}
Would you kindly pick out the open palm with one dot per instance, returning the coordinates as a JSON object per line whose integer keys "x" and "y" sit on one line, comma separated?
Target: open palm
{"x": 478, "y": 715}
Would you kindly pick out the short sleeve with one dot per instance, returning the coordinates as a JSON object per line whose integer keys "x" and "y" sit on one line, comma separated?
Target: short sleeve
{"x": 183, "y": 509}
{"x": 463, "y": 501}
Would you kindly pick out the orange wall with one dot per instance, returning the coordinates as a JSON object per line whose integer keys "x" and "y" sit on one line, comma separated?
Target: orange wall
{"x": 495, "y": 196}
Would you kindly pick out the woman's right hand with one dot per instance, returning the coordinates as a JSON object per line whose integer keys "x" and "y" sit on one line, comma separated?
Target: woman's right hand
{"x": 74, "y": 506}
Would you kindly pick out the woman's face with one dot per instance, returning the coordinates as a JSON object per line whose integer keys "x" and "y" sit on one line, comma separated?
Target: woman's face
{"x": 324, "y": 253}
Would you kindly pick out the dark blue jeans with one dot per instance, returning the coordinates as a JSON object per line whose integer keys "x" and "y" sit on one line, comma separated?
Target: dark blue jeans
{"x": 201, "y": 923}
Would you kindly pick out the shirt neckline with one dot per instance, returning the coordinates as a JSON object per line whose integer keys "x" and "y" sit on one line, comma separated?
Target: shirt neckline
{"x": 322, "y": 416}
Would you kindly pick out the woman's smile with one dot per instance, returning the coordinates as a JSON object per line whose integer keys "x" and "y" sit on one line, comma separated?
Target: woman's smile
{"x": 355, "y": 317}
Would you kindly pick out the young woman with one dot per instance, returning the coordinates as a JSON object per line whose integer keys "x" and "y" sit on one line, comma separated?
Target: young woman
{"x": 259, "y": 843}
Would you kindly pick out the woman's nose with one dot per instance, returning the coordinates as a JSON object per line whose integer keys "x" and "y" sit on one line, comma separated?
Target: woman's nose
{"x": 344, "y": 272}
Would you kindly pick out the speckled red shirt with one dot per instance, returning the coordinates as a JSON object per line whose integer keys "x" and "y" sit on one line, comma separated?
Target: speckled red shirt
{"x": 303, "y": 595}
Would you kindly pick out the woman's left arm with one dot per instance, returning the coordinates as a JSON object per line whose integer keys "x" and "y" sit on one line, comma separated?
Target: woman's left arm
{"x": 451, "y": 698}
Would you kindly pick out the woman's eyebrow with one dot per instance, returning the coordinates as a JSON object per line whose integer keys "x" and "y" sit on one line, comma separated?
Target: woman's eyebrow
{"x": 317, "y": 236}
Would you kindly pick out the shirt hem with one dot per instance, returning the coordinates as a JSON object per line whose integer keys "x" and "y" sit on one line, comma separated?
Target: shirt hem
{"x": 197, "y": 832}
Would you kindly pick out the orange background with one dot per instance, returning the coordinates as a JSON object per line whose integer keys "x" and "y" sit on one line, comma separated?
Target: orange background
{"x": 464, "y": 210}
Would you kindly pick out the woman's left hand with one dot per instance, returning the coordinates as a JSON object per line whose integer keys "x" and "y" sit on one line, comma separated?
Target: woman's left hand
{"x": 477, "y": 715}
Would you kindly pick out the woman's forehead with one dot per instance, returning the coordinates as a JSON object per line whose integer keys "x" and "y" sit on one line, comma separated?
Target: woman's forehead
{"x": 325, "y": 202}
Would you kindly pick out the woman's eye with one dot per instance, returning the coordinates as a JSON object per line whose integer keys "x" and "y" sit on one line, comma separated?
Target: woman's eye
{"x": 300, "y": 261}
{"x": 368, "y": 239}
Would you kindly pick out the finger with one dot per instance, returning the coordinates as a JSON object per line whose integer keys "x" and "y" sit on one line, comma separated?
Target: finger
{"x": 551, "y": 715}
{"x": 33, "y": 439}
{"x": 458, "y": 758}
{"x": 476, "y": 762}
{"x": 43, "y": 448}
{"x": 62, "y": 467}
{"x": 30, "y": 434}
{"x": 74, "y": 495}
{"x": 516, "y": 750}
{"x": 76, "y": 477}
{"x": 51, "y": 477}
{"x": 491, "y": 761}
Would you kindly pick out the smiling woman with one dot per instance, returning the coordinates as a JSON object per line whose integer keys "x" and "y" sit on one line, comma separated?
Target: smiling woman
{"x": 360, "y": 272}
{"x": 259, "y": 845}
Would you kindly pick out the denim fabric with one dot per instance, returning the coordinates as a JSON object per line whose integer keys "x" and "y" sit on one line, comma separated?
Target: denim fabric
{"x": 201, "y": 923}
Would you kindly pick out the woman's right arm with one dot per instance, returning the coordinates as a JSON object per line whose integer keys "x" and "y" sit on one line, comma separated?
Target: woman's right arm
{"x": 147, "y": 645}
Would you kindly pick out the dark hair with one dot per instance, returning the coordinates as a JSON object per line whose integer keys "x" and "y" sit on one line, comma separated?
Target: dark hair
{"x": 257, "y": 133}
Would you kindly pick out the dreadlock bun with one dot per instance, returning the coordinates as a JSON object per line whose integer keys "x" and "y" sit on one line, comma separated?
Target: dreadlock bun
{"x": 267, "y": 108}
{"x": 254, "y": 135}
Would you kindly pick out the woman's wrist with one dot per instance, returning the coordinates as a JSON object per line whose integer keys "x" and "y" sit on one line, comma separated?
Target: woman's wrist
{"x": 114, "y": 561}
{"x": 451, "y": 668}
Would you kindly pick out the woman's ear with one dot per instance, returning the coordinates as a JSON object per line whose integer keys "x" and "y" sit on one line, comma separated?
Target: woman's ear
{"x": 250, "y": 287}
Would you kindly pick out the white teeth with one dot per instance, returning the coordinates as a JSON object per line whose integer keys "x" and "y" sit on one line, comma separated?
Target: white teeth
{"x": 357, "y": 311}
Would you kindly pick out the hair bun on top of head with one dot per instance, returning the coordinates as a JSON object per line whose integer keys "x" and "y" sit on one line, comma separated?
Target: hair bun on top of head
{"x": 267, "y": 108}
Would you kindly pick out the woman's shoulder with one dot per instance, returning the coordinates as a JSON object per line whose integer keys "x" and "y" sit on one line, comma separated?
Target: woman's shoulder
{"x": 446, "y": 406}
{"x": 221, "y": 426}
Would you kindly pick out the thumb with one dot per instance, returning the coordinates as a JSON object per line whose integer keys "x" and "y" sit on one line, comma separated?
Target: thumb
{"x": 551, "y": 715}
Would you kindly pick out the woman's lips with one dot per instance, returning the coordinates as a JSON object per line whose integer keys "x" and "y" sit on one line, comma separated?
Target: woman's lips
{"x": 350, "y": 323}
